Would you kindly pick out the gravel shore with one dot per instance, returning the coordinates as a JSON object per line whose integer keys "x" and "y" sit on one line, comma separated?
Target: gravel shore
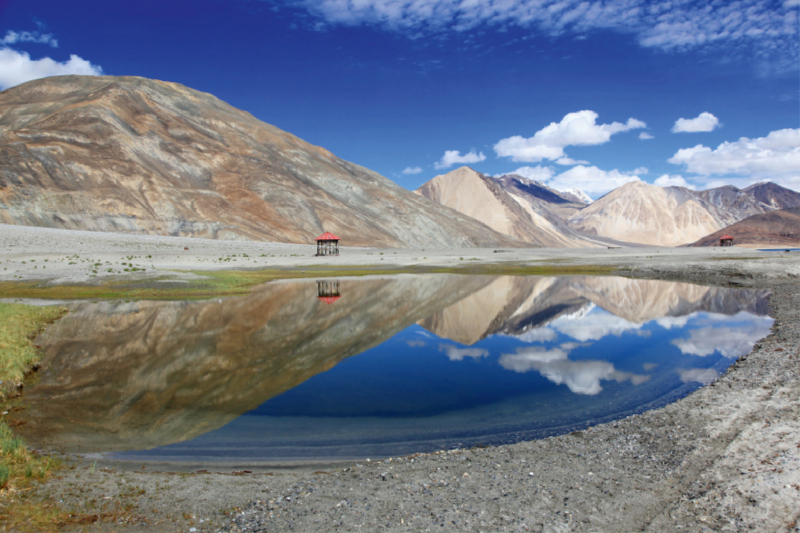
{"x": 725, "y": 458}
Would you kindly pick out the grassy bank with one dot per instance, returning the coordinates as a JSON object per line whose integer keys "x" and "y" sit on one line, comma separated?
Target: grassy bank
{"x": 214, "y": 283}
{"x": 19, "y": 466}
{"x": 18, "y": 325}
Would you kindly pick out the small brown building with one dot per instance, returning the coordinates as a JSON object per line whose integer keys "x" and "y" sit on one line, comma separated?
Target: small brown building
{"x": 726, "y": 240}
{"x": 327, "y": 244}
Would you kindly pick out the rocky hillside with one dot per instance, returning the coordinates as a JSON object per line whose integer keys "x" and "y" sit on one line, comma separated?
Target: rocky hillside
{"x": 671, "y": 216}
{"x": 129, "y": 154}
{"x": 736, "y": 204}
{"x": 777, "y": 228}
{"x": 510, "y": 205}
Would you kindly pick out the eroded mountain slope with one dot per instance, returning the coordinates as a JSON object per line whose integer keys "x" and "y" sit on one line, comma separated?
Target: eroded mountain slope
{"x": 509, "y": 205}
{"x": 129, "y": 154}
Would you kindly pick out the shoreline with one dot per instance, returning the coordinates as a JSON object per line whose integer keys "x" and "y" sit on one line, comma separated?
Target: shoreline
{"x": 724, "y": 458}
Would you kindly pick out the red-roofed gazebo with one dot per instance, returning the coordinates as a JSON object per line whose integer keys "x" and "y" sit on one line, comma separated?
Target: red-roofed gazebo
{"x": 726, "y": 240}
{"x": 327, "y": 244}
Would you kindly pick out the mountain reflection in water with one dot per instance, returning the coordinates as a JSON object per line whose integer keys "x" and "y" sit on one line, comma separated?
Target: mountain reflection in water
{"x": 141, "y": 375}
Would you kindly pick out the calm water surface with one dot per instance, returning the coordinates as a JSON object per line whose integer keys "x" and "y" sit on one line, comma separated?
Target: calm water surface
{"x": 358, "y": 368}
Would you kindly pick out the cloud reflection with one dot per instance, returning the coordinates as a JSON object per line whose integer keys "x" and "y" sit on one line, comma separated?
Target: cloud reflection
{"x": 728, "y": 341}
{"x": 677, "y": 322}
{"x": 454, "y": 353}
{"x": 581, "y": 377}
{"x": 594, "y": 326}
{"x": 537, "y": 335}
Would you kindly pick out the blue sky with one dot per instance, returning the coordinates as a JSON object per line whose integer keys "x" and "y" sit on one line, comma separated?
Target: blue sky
{"x": 562, "y": 89}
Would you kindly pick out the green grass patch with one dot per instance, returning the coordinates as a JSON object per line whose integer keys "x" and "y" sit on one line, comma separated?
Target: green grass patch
{"x": 213, "y": 283}
{"x": 19, "y": 466}
{"x": 18, "y": 325}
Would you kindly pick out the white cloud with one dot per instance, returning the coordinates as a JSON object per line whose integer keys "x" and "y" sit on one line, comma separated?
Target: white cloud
{"x": 18, "y": 67}
{"x": 412, "y": 170}
{"x": 452, "y": 157}
{"x": 672, "y": 181}
{"x": 575, "y": 129}
{"x": 774, "y": 156}
{"x": 645, "y": 136}
{"x": 704, "y": 122}
{"x": 567, "y": 161}
{"x": 13, "y": 37}
{"x": 591, "y": 180}
{"x": 416, "y": 344}
{"x": 677, "y": 25}
{"x": 594, "y": 326}
{"x": 454, "y": 353}
{"x": 730, "y": 342}
{"x": 698, "y": 375}
{"x": 581, "y": 377}
{"x": 537, "y": 173}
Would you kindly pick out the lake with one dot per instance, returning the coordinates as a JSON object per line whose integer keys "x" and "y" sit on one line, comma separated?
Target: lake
{"x": 380, "y": 366}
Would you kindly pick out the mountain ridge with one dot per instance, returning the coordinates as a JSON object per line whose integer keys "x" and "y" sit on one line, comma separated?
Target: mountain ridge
{"x": 775, "y": 228}
{"x": 129, "y": 154}
{"x": 672, "y": 216}
{"x": 510, "y": 204}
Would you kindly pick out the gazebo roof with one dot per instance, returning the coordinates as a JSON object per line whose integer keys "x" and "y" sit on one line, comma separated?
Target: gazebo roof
{"x": 725, "y": 237}
{"x": 327, "y": 236}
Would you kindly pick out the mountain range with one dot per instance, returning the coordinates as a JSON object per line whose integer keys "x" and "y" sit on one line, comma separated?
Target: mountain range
{"x": 129, "y": 154}
{"x": 671, "y": 216}
{"x": 510, "y": 205}
{"x": 636, "y": 212}
{"x": 779, "y": 228}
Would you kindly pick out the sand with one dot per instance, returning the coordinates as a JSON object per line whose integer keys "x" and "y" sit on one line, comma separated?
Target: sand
{"x": 64, "y": 256}
{"x": 725, "y": 458}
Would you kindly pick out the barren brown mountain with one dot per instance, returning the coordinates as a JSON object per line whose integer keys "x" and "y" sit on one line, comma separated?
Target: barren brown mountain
{"x": 778, "y": 228}
{"x": 129, "y": 154}
{"x": 672, "y": 216}
{"x": 510, "y": 205}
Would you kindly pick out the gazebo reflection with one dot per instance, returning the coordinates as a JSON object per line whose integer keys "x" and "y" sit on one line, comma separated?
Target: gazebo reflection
{"x": 328, "y": 290}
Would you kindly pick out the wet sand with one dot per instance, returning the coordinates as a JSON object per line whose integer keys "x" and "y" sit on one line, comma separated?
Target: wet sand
{"x": 725, "y": 458}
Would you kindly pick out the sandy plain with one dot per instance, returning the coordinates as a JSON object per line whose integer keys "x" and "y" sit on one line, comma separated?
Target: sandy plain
{"x": 725, "y": 458}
